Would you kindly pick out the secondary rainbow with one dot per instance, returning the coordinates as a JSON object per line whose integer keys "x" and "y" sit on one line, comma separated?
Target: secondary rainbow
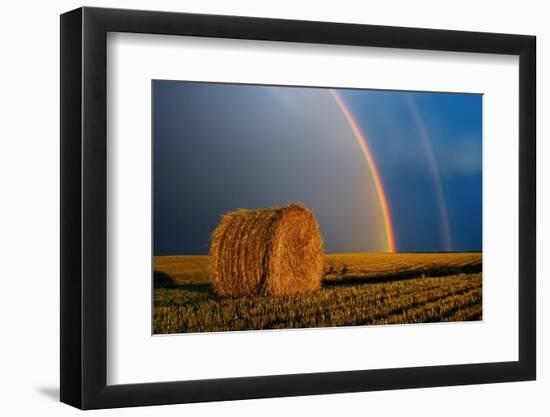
{"x": 372, "y": 168}
{"x": 426, "y": 142}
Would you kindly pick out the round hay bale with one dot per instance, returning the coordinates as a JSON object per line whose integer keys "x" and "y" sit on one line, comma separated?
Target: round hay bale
{"x": 272, "y": 251}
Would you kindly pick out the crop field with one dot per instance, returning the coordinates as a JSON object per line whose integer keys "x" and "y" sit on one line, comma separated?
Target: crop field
{"x": 357, "y": 289}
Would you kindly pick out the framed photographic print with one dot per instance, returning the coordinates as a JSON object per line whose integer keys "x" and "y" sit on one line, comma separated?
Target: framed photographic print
{"x": 290, "y": 204}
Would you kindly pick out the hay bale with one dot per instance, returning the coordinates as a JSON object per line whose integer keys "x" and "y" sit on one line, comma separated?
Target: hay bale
{"x": 272, "y": 251}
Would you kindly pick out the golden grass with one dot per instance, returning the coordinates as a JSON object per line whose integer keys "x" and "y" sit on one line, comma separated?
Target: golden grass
{"x": 188, "y": 269}
{"x": 358, "y": 289}
{"x": 371, "y": 264}
{"x": 195, "y": 269}
{"x": 273, "y": 251}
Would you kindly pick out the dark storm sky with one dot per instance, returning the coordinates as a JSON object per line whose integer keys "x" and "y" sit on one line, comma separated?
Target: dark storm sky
{"x": 219, "y": 147}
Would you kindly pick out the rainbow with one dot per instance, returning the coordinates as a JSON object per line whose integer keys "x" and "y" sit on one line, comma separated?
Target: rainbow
{"x": 390, "y": 238}
{"x": 434, "y": 171}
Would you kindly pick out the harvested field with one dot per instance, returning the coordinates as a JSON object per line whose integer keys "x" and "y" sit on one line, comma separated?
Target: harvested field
{"x": 357, "y": 289}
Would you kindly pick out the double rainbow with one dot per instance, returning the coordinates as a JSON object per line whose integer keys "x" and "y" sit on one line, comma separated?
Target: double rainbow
{"x": 434, "y": 171}
{"x": 383, "y": 201}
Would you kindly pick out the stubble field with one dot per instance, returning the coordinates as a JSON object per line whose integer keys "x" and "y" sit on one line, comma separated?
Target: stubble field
{"x": 357, "y": 289}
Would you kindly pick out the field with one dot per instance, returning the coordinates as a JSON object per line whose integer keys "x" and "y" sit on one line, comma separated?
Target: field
{"x": 357, "y": 289}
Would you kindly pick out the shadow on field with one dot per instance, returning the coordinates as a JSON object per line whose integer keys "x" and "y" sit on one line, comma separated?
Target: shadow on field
{"x": 163, "y": 280}
{"x": 200, "y": 288}
{"x": 401, "y": 276}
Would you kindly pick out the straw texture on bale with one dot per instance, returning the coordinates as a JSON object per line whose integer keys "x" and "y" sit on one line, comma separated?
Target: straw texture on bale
{"x": 272, "y": 251}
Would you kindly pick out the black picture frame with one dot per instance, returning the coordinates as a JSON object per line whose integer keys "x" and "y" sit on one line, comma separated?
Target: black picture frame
{"x": 84, "y": 207}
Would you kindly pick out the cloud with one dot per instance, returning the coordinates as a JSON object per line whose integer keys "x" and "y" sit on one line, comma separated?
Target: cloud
{"x": 461, "y": 157}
